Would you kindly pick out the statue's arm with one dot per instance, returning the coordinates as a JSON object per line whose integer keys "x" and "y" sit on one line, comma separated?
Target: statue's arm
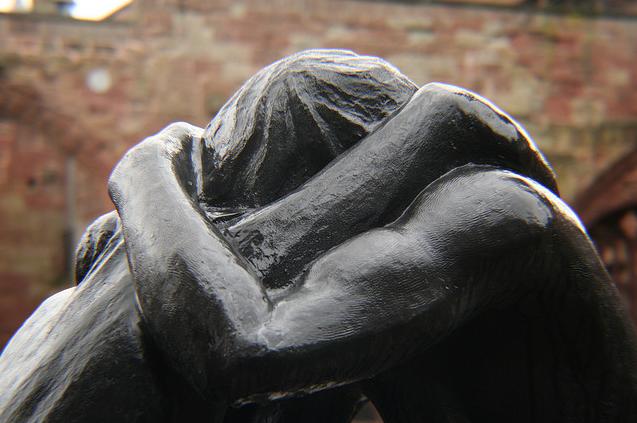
{"x": 477, "y": 237}
{"x": 181, "y": 264}
{"x": 440, "y": 128}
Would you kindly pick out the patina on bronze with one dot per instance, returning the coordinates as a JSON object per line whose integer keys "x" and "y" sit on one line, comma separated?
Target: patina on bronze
{"x": 334, "y": 233}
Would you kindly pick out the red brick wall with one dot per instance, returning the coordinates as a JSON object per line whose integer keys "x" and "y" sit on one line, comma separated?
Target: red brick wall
{"x": 571, "y": 80}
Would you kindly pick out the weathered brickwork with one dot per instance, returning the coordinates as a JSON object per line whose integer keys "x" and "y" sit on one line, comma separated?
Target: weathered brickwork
{"x": 572, "y": 81}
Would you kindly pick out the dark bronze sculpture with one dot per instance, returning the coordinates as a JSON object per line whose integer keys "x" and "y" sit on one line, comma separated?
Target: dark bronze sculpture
{"x": 334, "y": 232}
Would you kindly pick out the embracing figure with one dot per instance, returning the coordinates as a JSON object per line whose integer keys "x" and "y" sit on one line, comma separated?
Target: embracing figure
{"x": 335, "y": 233}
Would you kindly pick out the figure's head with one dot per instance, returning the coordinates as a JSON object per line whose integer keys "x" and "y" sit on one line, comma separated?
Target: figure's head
{"x": 292, "y": 118}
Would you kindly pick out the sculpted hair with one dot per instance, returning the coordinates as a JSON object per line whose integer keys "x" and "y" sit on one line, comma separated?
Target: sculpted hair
{"x": 291, "y": 119}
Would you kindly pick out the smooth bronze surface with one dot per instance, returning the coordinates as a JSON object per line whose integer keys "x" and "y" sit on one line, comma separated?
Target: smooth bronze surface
{"x": 334, "y": 233}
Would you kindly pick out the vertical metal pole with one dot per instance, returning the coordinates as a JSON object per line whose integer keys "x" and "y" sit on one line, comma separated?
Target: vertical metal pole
{"x": 70, "y": 217}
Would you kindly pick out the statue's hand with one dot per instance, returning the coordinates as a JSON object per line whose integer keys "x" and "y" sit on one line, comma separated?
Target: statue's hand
{"x": 168, "y": 156}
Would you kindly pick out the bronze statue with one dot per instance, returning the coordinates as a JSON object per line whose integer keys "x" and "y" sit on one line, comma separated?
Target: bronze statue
{"x": 335, "y": 233}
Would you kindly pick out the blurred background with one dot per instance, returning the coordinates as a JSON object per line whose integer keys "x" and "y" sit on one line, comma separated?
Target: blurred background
{"x": 81, "y": 82}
